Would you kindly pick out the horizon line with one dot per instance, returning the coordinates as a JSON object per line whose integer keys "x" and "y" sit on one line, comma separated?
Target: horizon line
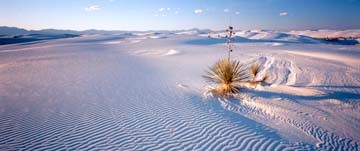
{"x": 193, "y": 28}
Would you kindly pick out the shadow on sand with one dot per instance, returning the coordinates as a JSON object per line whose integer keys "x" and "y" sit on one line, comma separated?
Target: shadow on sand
{"x": 300, "y": 40}
{"x": 32, "y": 38}
{"x": 328, "y": 94}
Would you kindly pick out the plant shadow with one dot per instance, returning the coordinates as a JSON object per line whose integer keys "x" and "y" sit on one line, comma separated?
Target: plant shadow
{"x": 238, "y": 39}
{"x": 328, "y": 94}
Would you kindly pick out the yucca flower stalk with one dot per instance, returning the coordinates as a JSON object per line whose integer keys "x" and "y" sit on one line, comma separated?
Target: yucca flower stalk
{"x": 229, "y": 38}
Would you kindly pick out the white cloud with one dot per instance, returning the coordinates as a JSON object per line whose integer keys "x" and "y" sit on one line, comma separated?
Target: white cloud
{"x": 226, "y": 10}
{"x": 161, "y": 9}
{"x": 164, "y": 12}
{"x": 164, "y": 9}
{"x": 93, "y": 8}
{"x": 198, "y": 11}
{"x": 237, "y": 13}
{"x": 283, "y": 14}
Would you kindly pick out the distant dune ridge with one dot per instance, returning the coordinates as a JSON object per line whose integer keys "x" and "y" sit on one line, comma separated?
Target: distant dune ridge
{"x": 328, "y": 33}
{"x": 10, "y": 35}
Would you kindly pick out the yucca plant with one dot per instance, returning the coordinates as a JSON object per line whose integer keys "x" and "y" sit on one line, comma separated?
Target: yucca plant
{"x": 255, "y": 80}
{"x": 230, "y": 74}
{"x": 254, "y": 70}
{"x": 227, "y": 75}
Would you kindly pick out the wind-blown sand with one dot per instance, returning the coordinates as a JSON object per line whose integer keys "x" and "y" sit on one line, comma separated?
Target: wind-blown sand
{"x": 145, "y": 92}
{"x": 335, "y": 57}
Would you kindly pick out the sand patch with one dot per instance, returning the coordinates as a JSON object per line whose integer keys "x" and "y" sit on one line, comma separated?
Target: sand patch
{"x": 339, "y": 58}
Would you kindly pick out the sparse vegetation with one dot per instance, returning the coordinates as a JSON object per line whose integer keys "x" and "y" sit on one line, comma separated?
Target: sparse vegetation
{"x": 229, "y": 75}
{"x": 254, "y": 70}
{"x": 255, "y": 79}
{"x": 341, "y": 40}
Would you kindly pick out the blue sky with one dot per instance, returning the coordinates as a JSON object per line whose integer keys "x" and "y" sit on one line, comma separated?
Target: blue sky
{"x": 181, "y": 14}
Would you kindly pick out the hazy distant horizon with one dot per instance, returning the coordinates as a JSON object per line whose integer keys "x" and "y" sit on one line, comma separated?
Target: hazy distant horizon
{"x": 142, "y": 15}
{"x": 80, "y": 30}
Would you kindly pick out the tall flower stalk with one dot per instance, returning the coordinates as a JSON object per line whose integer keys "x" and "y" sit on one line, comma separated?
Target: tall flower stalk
{"x": 229, "y": 35}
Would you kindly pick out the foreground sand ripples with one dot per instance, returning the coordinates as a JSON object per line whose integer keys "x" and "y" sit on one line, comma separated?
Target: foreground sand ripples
{"x": 109, "y": 99}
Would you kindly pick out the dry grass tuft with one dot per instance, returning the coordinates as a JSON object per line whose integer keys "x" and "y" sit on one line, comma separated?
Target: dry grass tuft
{"x": 255, "y": 79}
{"x": 227, "y": 75}
{"x": 255, "y": 68}
{"x": 265, "y": 78}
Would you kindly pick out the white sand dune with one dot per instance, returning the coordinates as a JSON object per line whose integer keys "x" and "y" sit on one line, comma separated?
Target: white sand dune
{"x": 106, "y": 92}
{"x": 328, "y": 33}
{"x": 331, "y": 57}
{"x": 160, "y": 52}
{"x": 171, "y": 52}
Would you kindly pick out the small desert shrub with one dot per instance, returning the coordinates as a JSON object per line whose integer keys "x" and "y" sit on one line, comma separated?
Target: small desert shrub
{"x": 254, "y": 70}
{"x": 255, "y": 79}
{"x": 227, "y": 75}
